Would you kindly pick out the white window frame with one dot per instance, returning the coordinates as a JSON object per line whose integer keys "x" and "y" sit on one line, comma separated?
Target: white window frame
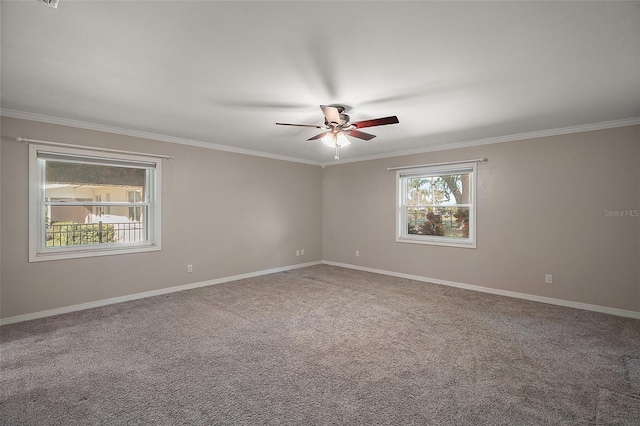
{"x": 402, "y": 232}
{"x": 38, "y": 251}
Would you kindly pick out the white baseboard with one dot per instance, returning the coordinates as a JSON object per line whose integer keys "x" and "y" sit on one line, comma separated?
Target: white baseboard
{"x": 120, "y": 299}
{"x": 542, "y": 299}
{"x": 113, "y": 300}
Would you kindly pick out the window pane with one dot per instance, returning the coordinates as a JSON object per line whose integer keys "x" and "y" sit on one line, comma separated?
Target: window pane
{"x": 448, "y": 189}
{"x": 135, "y": 213}
{"x": 73, "y": 181}
{"x": 71, "y": 172}
{"x": 75, "y": 229}
{"x": 419, "y": 191}
{"x": 452, "y": 222}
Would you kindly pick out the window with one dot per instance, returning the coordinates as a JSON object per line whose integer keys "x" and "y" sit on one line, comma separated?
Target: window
{"x": 436, "y": 205}
{"x": 90, "y": 204}
{"x": 134, "y": 212}
{"x": 99, "y": 209}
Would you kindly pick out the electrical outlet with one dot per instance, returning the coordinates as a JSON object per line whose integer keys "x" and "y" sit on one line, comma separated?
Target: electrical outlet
{"x": 301, "y": 252}
{"x": 548, "y": 279}
{"x": 357, "y": 253}
{"x": 297, "y": 252}
{"x": 189, "y": 268}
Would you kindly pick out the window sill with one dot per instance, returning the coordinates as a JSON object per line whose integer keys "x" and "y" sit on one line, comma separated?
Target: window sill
{"x": 76, "y": 254}
{"x": 439, "y": 242}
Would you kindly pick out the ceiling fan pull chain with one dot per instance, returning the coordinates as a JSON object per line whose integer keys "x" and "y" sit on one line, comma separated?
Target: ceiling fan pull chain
{"x": 337, "y": 156}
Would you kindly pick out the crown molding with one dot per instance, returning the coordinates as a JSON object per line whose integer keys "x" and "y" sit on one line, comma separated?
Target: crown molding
{"x": 146, "y": 135}
{"x": 500, "y": 139}
{"x": 201, "y": 144}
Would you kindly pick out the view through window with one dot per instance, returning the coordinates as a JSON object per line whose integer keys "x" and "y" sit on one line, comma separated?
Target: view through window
{"x": 437, "y": 205}
{"x": 89, "y": 205}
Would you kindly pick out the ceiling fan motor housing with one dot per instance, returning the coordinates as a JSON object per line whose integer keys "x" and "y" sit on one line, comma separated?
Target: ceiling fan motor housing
{"x": 344, "y": 123}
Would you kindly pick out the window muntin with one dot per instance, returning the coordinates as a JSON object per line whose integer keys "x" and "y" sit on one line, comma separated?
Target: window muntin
{"x": 81, "y": 203}
{"x": 436, "y": 205}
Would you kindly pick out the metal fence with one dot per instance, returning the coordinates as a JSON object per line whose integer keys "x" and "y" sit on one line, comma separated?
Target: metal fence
{"x": 70, "y": 234}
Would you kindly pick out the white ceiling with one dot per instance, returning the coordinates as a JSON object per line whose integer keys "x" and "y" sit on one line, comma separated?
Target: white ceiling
{"x": 222, "y": 73}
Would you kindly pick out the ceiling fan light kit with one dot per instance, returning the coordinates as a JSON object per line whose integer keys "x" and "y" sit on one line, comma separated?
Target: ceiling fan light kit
{"x": 332, "y": 139}
{"x": 338, "y": 126}
{"x": 335, "y": 140}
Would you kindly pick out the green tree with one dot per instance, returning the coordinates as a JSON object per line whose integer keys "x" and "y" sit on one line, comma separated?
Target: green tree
{"x": 70, "y": 234}
{"x": 456, "y": 185}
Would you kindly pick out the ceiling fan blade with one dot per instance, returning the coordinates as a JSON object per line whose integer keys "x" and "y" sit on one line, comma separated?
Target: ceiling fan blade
{"x": 331, "y": 114}
{"x": 300, "y": 125}
{"x": 360, "y": 135}
{"x": 317, "y": 136}
{"x": 376, "y": 122}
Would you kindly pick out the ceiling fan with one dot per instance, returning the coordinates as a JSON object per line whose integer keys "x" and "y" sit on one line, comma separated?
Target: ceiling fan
{"x": 338, "y": 126}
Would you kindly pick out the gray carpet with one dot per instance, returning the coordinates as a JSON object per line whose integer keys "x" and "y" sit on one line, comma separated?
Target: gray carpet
{"x": 322, "y": 345}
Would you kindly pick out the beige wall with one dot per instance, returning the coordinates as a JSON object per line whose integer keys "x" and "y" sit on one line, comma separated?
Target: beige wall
{"x": 541, "y": 209}
{"x": 225, "y": 213}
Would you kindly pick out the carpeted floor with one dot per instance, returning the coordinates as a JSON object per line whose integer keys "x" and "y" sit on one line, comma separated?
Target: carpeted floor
{"x": 322, "y": 345}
